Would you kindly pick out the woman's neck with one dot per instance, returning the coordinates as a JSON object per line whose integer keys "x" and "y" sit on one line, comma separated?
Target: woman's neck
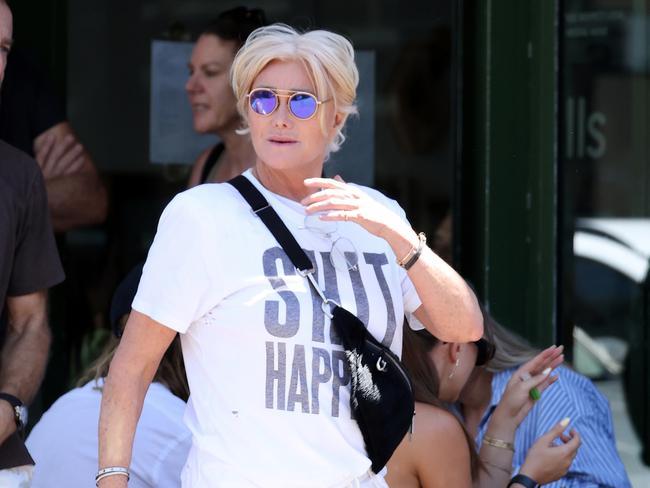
{"x": 476, "y": 399}
{"x": 234, "y": 142}
{"x": 237, "y": 156}
{"x": 287, "y": 183}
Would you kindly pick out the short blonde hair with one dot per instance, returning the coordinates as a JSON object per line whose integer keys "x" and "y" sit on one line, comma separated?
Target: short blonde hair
{"x": 327, "y": 57}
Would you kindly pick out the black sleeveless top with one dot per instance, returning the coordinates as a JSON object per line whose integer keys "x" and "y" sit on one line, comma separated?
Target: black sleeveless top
{"x": 213, "y": 157}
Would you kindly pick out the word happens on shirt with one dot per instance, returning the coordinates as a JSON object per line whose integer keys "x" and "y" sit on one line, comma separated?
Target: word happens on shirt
{"x": 298, "y": 376}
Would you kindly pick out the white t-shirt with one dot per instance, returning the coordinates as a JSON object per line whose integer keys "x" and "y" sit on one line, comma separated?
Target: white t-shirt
{"x": 64, "y": 442}
{"x": 270, "y": 391}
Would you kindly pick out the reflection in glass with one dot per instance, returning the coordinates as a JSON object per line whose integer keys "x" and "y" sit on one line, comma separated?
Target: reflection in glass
{"x": 604, "y": 159}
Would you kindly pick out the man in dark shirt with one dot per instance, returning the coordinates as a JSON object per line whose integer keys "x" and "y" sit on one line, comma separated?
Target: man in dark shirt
{"x": 29, "y": 265}
{"x": 33, "y": 119}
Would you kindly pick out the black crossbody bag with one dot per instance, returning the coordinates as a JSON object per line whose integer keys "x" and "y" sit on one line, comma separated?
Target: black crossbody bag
{"x": 381, "y": 396}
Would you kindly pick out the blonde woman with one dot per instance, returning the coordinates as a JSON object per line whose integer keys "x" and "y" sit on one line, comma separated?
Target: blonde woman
{"x": 269, "y": 402}
{"x": 440, "y": 371}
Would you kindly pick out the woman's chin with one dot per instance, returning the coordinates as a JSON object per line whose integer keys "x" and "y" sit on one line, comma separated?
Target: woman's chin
{"x": 289, "y": 158}
{"x": 199, "y": 129}
{"x": 284, "y": 163}
{"x": 202, "y": 126}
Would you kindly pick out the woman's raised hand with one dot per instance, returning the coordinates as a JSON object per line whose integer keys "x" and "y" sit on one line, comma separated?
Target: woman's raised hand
{"x": 548, "y": 461}
{"x": 516, "y": 400}
{"x": 343, "y": 202}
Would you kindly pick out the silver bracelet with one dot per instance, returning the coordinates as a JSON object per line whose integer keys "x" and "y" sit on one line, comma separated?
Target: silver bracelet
{"x": 111, "y": 471}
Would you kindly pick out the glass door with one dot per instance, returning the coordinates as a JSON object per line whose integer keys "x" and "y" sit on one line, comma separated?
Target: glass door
{"x": 604, "y": 158}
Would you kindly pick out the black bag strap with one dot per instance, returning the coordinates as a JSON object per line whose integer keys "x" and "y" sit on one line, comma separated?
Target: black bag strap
{"x": 263, "y": 209}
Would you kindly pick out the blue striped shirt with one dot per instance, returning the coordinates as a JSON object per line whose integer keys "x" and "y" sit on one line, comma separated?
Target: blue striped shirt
{"x": 575, "y": 396}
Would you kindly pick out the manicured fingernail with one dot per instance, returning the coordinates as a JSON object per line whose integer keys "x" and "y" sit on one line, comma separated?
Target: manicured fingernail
{"x": 546, "y": 372}
{"x": 525, "y": 376}
{"x": 565, "y": 421}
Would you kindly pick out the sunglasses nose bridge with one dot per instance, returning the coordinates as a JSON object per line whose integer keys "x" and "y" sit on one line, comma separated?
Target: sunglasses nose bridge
{"x": 281, "y": 115}
{"x": 282, "y": 109}
{"x": 293, "y": 104}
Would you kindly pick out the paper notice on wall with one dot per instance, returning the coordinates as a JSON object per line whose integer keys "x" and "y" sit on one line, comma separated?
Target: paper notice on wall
{"x": 172, "y": 138}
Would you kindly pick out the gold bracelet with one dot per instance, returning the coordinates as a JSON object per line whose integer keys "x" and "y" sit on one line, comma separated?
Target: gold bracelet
{"x": 505, "y": 470}
{"x": 405, "y": 262}
{"x": 491, "y": 441}
{"x": 408, "y": 254}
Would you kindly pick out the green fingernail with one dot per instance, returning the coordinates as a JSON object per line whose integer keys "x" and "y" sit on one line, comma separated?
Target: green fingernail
{"x": 535, "y": 394}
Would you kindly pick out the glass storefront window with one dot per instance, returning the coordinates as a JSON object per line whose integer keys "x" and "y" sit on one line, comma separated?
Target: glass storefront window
{"x": 409, "y": 151}
{"x": 605, "y": 172}
{"x": 411, "y": 143}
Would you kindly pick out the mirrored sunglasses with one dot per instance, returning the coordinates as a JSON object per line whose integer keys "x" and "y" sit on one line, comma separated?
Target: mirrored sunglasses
{"x": 302, "y": 105}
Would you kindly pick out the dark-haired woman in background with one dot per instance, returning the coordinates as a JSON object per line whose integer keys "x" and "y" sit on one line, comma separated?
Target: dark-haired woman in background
{"x": 211, "y": 97}
{"x": 597, "y": 462}
{"x": 441, "y": 452}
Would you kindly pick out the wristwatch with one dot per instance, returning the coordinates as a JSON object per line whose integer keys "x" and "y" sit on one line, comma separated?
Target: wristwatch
{"x": 20, "y": 410}
{"x": 524, "y": 480}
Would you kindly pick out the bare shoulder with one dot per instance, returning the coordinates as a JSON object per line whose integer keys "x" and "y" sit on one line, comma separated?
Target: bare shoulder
{"x": 440, "y": 448}
{"x": 432, "y": 422}
{"x": 437, "y": 454}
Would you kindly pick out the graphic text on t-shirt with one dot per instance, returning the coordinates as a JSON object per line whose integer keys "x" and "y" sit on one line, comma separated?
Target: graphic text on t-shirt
{"x": 287, "y": 384}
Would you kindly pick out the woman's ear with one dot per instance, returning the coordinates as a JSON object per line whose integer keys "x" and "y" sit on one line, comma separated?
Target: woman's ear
{"x": 453, "y": 350}
{"x": 339, "y": 119}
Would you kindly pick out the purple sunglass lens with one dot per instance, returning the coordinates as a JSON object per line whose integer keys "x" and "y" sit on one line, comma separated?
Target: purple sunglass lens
{"x": 263, "y": 102}
{"x": 303, "y": 105}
